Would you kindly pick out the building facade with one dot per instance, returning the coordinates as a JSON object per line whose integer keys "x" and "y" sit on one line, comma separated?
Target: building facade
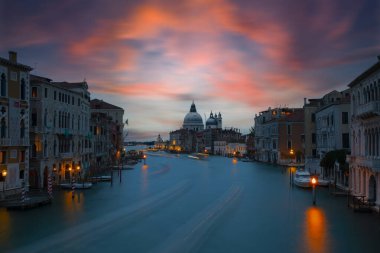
{"x": 59, "y": 131}
{"x": 109, "y": 137}
{"x": 278, "y": 135}
{"x": 14, "y": 124}
{"x": 364, "y": 161}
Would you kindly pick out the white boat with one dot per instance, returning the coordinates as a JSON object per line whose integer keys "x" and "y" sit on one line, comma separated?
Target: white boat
{"x": 198, "y": 156}
{"x": 302, "y": 179}
{"x": 86, "y": 185}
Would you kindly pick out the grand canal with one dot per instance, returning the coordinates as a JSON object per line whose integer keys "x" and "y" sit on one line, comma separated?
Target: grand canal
{"x": 178, "y": 204}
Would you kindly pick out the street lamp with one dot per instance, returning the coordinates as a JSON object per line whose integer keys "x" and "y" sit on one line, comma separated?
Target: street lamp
{"x": 314, "y": 182}
{"x": 4, "y": 173}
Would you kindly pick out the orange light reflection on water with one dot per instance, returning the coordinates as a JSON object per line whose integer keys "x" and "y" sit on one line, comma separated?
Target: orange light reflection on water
{"x": 315, "y": 230}
{"x": 5, "y": 226}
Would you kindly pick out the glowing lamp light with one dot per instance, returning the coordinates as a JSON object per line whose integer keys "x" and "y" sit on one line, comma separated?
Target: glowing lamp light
{"x": 313, "y": 181}
{"x": 4, "y": 173}
{"x": 144, "y": 156}
{"x": 69, "y": 168}
{"x": 291, "y": 152}
{"x": 78, "y": 167}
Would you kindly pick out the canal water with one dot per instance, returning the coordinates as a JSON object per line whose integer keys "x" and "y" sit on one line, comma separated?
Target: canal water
{"x": 178, "y": 204}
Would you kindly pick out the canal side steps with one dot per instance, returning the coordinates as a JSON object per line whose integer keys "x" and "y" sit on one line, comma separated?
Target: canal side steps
{"x": 361, "y": 205}
{"x": 33, "y": 198}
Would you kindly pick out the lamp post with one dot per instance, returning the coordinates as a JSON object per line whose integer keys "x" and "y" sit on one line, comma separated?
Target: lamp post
{"x": 4, "y": 173}
{"x": 314, "y": 182}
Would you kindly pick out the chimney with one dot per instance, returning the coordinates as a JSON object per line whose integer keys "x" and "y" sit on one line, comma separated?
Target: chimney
{"x": 12, "y": 56}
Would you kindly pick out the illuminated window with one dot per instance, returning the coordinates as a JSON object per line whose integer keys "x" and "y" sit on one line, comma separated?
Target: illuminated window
{"x": 34, "y": 92}
{"x": 3, "y": 157}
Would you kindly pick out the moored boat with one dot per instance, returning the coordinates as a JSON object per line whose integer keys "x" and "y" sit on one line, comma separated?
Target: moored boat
{"x": 302, "y": 179}
{"x": 85, "y": 185}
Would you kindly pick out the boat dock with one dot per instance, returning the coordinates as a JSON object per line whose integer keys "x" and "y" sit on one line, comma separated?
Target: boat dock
{"x": 32, "y": 200}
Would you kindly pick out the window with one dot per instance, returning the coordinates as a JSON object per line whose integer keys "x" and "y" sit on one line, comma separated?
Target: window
{"x": 314, "y": 152}
{"x": 72, "y": 100}
{"x": 3, "y": 130}
{"x": 46, "y": 92}
{"x": 3, "y": 85}
{"x": 23, "y": 89}
{"x": 313, "y": 138}
{"x": 34, "y": 118}
{"x": 55, "y": 95}
{"x": 34, "y": 92}
{"x": 332, "y": 120}
{"x": 78, "y": 102}
{"x": 345, "y": 140}
{"x": 22, "y": 129}
{"x": 3, "y": 157}
{"x": 274, "y": 146}
{"x": 45, "y": 117}
{"x": 22, "y": 156}
{"x": 289, "y": 144}
{"x": 289, "y": 129}
{"x": 313, "y": 117}
{"x": 59, "y": 97}
{"x": 344, "y": 117}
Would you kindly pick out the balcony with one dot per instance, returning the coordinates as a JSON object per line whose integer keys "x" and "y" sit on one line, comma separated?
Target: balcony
{"x": 68, "y": 155}
{"x": 368, "y": 110}
{"x": 14, "y": 142}
{"x": 373, "y": 163}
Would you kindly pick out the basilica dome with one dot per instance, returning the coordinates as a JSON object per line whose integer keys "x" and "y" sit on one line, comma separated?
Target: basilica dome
{"x": 192, "y": 120}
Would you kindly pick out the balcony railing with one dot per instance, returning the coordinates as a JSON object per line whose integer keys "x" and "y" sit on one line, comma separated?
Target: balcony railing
{"x": 373, "y": 163}
{"x": 368, "y": 110}
{"x": 67, "y": 155}
{"x": 14, "y": 142}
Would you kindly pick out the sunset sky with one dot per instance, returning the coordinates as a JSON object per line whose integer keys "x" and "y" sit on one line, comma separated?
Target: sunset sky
{"x": 154, "y": 57}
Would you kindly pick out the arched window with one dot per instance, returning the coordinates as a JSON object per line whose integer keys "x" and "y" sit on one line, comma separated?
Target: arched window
{"x": 45, "y": 117}
{"x": 3, "y": 128}
{"x": 59, "y": 119}
{"x": 22, "y": 129}
{"x": 55, "y": 147}
{"x": 3, "y": 85}
{"x": 23, "y": 89}
{"x": 45, "y": 148}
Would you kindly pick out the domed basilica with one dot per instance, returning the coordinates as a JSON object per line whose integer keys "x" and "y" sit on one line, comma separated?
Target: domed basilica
{"x": 193, "y": 120}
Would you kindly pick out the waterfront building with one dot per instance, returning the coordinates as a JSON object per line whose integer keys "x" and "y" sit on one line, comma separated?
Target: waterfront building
{"x": 14, "y": 124}
{"x": 159, "y": 143}
{"x": 59, "y": 131}
{"x": 236, "y": 149}
{"x": 101, "y": 127}
{"x": 278, "y": 135}
{"x": 333, "y": 129}
{"x": 109, "y": 137}
{"x": 364, "y": 175}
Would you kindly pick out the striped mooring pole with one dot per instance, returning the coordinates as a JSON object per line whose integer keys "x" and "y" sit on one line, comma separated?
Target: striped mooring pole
{"x": 23, "y": 194}
{"x": 50, "y": 187}
{"x": 72, "y": 189}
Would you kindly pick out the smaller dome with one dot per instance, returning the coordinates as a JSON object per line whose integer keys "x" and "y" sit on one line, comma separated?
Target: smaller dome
{"x": 211, "y": 121}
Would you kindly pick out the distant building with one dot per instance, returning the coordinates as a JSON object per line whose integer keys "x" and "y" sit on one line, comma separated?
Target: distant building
{"x": 278, "y": 135}
{"x": 193, "y": 120}
{"x": 195, "y": 137}
{"x": 159, "y": 143}
{"x": 113, "y": 143}
{"x": 14, "y": 124}
{"x": 364, "y": 175}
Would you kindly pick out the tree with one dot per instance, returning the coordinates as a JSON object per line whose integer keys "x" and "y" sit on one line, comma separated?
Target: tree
{"x": 328, "y": 161}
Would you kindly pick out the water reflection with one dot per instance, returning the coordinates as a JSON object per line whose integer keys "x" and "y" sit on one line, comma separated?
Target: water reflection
{"x": 5, "y": 226}
{"x": 315, "y": 230}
